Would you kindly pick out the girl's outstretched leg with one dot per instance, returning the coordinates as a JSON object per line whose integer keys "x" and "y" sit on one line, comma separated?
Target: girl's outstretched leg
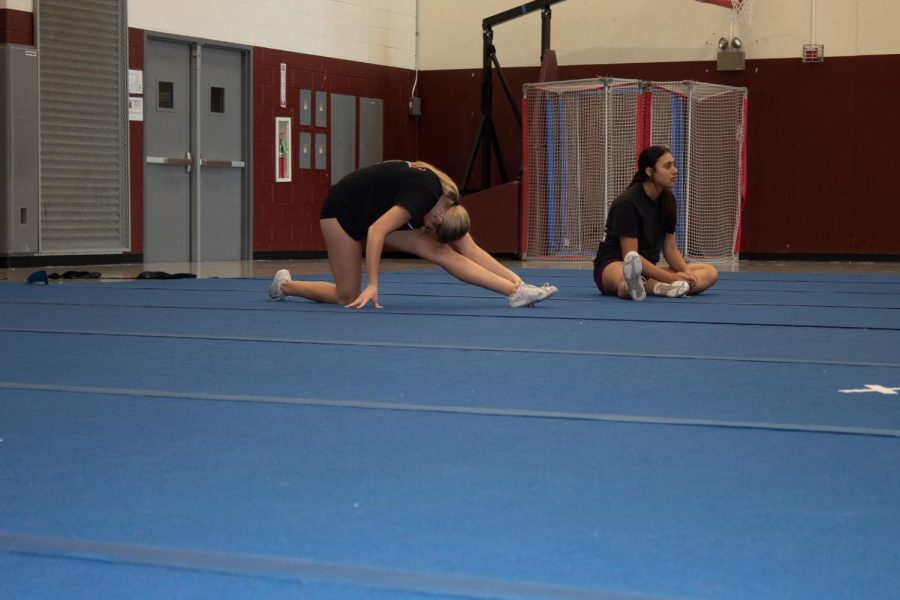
{"x": 467, "y": 270}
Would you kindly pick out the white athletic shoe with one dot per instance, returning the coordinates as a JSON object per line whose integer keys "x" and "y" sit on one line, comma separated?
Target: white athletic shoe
{"x": 633, "y": 282}
{"x": 281, "y": 277}
{"x": 671, "y": 290}
{"x": 527, "y": 295}
{"x": 548, "y": 286}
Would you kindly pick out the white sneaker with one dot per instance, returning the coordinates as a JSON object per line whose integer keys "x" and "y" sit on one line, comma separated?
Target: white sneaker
{"x": 527, "y": 295}
{"x": 548, "y": 286}
{"x": 633, "y": 282}
{"x": 281, "y": 277}
{"x": 672, "y": 290}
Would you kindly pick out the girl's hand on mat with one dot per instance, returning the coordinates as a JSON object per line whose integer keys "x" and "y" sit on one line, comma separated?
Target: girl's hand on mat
{"x": 687, "y": 276}
{"x": 367, "y": 295}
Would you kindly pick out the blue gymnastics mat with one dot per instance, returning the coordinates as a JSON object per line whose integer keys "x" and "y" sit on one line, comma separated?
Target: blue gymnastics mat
{"x": 192, "y": 438}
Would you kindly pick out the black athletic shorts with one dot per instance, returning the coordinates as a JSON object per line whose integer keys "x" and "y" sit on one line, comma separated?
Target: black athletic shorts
{"x": 598, "y": 272}
{"x": 328, "y": 209}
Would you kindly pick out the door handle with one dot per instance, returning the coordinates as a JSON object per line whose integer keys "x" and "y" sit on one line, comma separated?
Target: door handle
{"x": 239, "y": 164}
{"x": 186, "y": 162}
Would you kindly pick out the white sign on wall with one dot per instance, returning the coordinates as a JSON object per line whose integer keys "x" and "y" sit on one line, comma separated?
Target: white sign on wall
{"x": 283, "y": 85}
{"x": 135, "y": 81}
{"x": 135, "y": 108}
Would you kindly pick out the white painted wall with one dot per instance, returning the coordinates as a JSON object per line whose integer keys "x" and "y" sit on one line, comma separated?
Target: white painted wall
{"x": 371, "y": 31}
{"x": 23, "y": 5}
{"x": 583, "y": 31}
{"x": 625, "y": 31}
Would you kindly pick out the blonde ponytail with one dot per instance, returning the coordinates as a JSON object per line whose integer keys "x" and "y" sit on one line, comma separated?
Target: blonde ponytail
{"x": 456, "y": 221}
{"x": 447, "y": 185}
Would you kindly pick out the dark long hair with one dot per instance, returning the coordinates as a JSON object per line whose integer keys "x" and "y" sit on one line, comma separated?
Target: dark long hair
{"x": 648, "y": 158}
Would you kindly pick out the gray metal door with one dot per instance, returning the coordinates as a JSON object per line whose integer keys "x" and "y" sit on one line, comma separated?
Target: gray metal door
{"x": 195, "y": 142}
{"x": 167, "y": 151}
{"x": 221, "y": 149}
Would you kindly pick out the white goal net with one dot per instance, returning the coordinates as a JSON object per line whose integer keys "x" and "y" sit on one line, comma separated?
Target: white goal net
{"x": 581, "y": 144}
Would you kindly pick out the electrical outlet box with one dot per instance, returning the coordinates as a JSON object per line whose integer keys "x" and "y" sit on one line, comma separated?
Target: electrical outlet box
{"x": 415, "y": 106}
{"x": 730, "y": 60}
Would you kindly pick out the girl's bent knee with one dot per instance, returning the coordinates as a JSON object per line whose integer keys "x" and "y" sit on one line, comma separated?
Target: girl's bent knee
{"x": 345, "y": 297}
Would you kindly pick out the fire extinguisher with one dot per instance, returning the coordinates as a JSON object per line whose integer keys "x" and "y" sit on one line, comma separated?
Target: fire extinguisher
{"x": 282, "y": 152}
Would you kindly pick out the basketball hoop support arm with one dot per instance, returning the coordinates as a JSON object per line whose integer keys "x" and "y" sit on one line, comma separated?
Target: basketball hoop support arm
{"x": 486, "y": 138}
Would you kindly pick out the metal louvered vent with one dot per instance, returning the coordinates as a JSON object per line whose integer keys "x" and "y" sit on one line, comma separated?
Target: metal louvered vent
{"x": 84, "y": 125}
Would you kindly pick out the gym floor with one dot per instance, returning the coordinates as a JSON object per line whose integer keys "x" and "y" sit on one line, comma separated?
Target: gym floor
{"x": 192, "y": 438}
{"x": 260, "y": 268}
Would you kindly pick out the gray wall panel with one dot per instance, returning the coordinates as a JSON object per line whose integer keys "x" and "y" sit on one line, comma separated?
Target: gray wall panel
{"x": 19, "y": 173}
{"x": 306, "y": 108}
{"x": 371, "y": 131}
{"x": 305, "y": 150}
{"x": 343, "y": 136}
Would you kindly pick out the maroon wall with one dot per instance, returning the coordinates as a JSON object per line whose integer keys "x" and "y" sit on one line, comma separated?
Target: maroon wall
{"x": 286, "y": 215}
{"x": 821, "y": 137}
{"x": 16, "y": 27}
{"x": 136, "y": 149}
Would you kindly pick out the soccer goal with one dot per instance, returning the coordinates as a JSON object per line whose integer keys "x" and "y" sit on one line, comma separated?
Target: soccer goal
{"x": 581, "y": 139}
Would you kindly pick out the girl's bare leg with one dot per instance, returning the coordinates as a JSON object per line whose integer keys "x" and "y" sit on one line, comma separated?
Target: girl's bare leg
{"x": 345, "y": 258}
{"x": 613, "y": 280}
{"x": 464, "y": 269}
{"x": 705, "y": 277}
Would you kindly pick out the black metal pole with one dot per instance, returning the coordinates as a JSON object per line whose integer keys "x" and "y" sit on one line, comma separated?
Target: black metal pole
{"x": 515, "y": 13}
{"x": 509, "y": 95}
{"x": 545, "y": 32}
{"x": 487, "y": 106}
{"x": 473, "y": 154}
{"x": 486, "y": 137}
